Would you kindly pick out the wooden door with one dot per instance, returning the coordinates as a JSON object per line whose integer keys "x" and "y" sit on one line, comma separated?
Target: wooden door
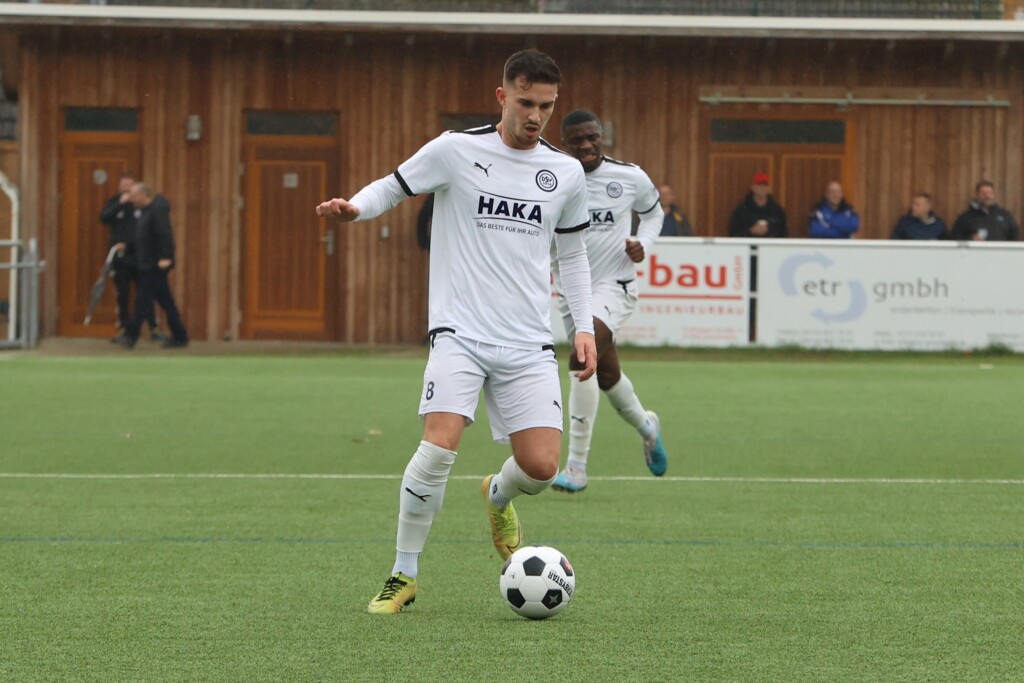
{"x": 291, "y": 255}
{"x": 800, "y": 150}
{"x": 92, "y": 164}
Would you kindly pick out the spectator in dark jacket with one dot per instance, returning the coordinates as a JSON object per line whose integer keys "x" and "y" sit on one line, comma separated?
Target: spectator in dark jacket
{"x": 758, "y": 215}
{"x": 676, "y": 223}
{"x": 119, "y": 215}
{"x": 984, "y": 219}
{"x": 920, "y": 223}
{"x": 153, "y": 249}
{"x": 834, "y": 217}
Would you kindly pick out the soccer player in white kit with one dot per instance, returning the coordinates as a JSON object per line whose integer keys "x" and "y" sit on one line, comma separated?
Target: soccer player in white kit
{"x": 615, "y": 190}
{"x": 503, "y": 196}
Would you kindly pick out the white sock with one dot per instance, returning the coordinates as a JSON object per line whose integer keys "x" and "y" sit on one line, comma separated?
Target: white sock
{"x": 512, "y": 482}
{"x": 625, "y": 400}
{"x": 584, "y": 398}
{"x": 419, "y": 500}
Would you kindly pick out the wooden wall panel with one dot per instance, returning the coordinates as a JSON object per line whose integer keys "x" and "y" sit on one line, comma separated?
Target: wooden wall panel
{"x": 392, "y": 92}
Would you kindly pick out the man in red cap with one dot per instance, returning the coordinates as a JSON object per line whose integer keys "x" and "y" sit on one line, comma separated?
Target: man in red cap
{"x": 758, "y": 215}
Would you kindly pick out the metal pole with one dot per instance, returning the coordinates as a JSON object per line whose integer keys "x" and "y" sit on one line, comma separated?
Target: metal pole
{"x": 23, "y": 304}
{"x": 8, "y": 188}
{"x": 32, "y": 314}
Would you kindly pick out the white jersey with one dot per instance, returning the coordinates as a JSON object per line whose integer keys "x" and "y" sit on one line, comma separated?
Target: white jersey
{"x": 496, "y": 211}
{"x": 614, "y": 190}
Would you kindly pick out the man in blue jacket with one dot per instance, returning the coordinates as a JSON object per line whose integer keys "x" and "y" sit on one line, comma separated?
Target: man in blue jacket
{"x": 834, "y": 217}
{"x": 920, "y": 223}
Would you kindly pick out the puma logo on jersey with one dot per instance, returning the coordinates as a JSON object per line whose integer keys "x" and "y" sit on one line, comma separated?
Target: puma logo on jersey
{"x": 581, "y": 420}
{"x": 511, "y": 208}
{"x": 601, "y": 216}
{"x": 487, "y": 172}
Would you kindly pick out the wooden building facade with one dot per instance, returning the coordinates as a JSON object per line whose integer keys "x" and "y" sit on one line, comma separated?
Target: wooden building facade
{"x": 244, "y": 129}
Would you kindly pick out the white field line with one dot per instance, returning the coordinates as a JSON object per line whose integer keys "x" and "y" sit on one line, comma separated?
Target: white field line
{"x": 474, "y": 477}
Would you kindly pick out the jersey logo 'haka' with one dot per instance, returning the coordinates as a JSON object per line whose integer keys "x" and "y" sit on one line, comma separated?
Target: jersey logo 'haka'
{"x": 508, "y": 207}
{"x": 601, "y": 216}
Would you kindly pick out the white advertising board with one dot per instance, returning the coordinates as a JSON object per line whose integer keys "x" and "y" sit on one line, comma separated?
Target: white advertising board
{"x": 692, "y": 293}
{"x": 890, "y": 296}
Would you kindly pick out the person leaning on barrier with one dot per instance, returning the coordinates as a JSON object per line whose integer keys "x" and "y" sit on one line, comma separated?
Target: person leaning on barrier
{"x": 920, "y": 222}
{"x": 758, "y": 215}
{"x": 676, "y": 223}
{"x": 834, "y": 217}
{"x": 984, "y": 219}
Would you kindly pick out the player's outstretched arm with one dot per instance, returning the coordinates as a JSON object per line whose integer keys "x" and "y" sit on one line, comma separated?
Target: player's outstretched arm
{"x": 339, "y": 209}
{"x": 586, "y": 353}
{"x": 370, "y": 202}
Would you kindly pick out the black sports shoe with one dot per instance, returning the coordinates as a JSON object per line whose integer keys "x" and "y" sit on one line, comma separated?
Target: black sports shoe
{"x": 124, "y": 341}
{"x": 175, "y": 344}
{"x": 159, "y": 337}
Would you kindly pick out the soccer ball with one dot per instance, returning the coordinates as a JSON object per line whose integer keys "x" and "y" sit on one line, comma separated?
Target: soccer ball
{"x": 537, "y": 582}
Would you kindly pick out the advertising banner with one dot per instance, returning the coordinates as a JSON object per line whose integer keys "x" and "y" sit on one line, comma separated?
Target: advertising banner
{"x": 889, "y": 296}
{"x": 691, "y": 293}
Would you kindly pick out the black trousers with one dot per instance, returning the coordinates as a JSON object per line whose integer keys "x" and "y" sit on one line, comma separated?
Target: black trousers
{"x": 155, "y": 287}
{"x": 125, "y": 278}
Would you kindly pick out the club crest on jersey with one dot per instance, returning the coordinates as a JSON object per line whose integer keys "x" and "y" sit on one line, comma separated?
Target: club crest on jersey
{"x": 506, "y": 207}
{"x": 546, "y": 180}
{"x": 614, "y": 190}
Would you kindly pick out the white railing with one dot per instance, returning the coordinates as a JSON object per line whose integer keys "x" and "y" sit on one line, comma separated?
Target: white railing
{"x": 23, "y": 310}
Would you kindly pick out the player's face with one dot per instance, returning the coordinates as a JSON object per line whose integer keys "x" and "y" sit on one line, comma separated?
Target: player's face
{"x": 583, "y": 141}
{"x": 525, "y": 110}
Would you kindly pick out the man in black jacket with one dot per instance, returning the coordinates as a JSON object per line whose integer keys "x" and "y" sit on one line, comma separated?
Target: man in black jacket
{"x": 920, "y": 223}
{"x": 153, "y": 249}
{"x": 758, "y": 215}
{"x": 984, "y": 219}
{"x": 119, "y": 214}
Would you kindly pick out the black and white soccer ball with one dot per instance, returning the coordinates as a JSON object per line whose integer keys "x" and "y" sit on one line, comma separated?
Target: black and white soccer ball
{"x": 537, "y": 582}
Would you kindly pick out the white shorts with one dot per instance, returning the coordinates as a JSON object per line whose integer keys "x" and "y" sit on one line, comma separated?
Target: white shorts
{"x": 521, "y": 387}
{"x": 612, "y": 305}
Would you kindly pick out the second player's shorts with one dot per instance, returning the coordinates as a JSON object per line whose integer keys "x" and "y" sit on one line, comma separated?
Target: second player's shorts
{"x": 612, "y": 304}
{"x": 520, "y": 386}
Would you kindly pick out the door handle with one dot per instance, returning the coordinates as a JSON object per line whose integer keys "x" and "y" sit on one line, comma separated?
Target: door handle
{"x": 328, "y": 239}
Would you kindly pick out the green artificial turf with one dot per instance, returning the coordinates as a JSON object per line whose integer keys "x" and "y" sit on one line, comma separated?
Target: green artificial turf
{"x": 832, "y": 519}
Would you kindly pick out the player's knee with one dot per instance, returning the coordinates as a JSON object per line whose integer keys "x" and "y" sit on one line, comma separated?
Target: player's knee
{"x": 544, "y": 471}
{"x": 608, "y": 377}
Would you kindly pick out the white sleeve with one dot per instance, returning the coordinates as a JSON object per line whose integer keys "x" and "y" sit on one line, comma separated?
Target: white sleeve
{"x": 378, "y": 197}
{"x": 422, "y": 173}
{"x": 647, "y": 204}
{"x": 574, "y": 272}
{"x": 429, "y": 169}
{"x": 575, "y": 215}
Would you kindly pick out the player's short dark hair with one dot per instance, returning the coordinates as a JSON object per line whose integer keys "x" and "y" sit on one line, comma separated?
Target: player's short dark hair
{"x": 534, "y": 66}
{"x": 578, "y": 116}
{"x": 984, "y": 183}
